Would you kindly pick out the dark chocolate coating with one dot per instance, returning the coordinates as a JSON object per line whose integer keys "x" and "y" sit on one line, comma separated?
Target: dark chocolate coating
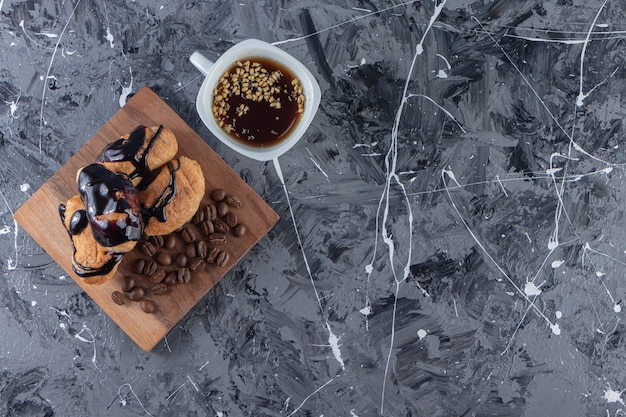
{"x": 105, "y": 192}
{"x": 128, "y": 150}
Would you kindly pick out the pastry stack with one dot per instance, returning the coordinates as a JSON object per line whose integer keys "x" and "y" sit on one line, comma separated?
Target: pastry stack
{"x": 136, "y": 188}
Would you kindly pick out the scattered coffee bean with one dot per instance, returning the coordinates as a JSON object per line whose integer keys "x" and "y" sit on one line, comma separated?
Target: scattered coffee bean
{"x": 207, "y": 227}
{"x": 159, "y": 289}
{"x": 157, "y": 241}
{"x": 188, "y": 234}
{"x": 150, "y": 268}
{"x": 118, "y": 297}
{"x": 196, "y": 264}
{"x": 212, "y": 255}
{"x": 232, "y": 201}
{"x": 201, "y": 249}
{"x": 147, "y": 306}
{"x": 184, "y": 276}
{"x": 218, "y": 194}
{"x": 231, "y": 219}
{"x": 128, "y": 283}
{"x": 222, "y": 208}
{"x": 220, "y": 226}
{"x": 239, "y": 230}
{"x": 181, "y": 260}
{"x": 139, "y": 265}
{"x": 158, "y": 276}
{"x": 147, "y": 247}
{"x": 214, "y": 220}
{"x": 190, "y": 250}
{"x": 164, "y": 258}
{"x": 222, "y": 258}
{"x": 216, "y": 239}
{"x": 198, "y": 217}
{"x": 210, "y": 212}
{"x": 170, "y": 242}
{"x": 136, "y": 293}
{"x": 171, "y": 278}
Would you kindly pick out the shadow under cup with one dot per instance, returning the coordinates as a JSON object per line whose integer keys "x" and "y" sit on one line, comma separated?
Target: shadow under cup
{"x": 256, "y": 98}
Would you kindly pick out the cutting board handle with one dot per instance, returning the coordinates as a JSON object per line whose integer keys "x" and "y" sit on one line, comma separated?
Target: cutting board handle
{"x": 202, "y": 63}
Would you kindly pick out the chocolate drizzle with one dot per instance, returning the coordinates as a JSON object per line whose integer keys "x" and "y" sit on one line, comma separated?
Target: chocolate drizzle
{"x": 128, "y": 150}
{"x": 166, "y": 196}
{"x": 106, "y": 194}
{"x": 86, "y": 272}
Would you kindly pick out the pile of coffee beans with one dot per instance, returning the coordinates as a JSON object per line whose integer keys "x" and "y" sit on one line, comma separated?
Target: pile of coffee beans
{"x": 173, "y": 259}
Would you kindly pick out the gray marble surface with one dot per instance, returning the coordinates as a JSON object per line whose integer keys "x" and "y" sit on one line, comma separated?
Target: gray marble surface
{"x": 459, "y": 199}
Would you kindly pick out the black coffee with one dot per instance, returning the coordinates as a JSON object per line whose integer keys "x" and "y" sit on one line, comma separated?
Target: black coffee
{"x": 258, "y": 102}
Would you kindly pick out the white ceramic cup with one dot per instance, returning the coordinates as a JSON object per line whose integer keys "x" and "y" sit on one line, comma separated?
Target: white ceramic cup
{"x": 250, "y": 49}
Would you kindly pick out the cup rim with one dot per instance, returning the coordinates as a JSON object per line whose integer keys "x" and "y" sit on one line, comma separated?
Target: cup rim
{"x": 254, "y": 48}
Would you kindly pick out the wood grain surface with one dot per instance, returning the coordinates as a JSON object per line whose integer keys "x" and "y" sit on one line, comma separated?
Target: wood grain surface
{"x": 40, "y": 218}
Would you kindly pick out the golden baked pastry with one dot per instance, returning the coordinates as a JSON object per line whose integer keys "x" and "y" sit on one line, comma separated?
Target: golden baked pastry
{"x": 139, "y": 152}
{"x": 173, "y": 197}
{"x": 90, "y": 260}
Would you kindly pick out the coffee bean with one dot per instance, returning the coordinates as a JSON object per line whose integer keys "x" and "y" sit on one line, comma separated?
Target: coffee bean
{"x": 190, "y": 250}
{"x": 218, "y": 194}
{"x": 140, "y": 265}
{"x": 188, "y": 234}
{"x": 136, "y": 293}
{"x": 220, "y": 226}
{"x": 198, "y": 217}
{"x": 159, "y": 289}
{"x": 147, "y": 248}
{"x": 181, "y": 260}
{"x": 170, "y": 242}
{"x": 164, "y": 258}
{"x": 207, "y": 227}
{"x": 128, "y": 283}
{"x": 184, "y": 276}
{"x": 232, "y": 201}
{"x": 150, "y": 268}
{"x": 147, "y": 306}
{"x": 210, "y": 212}
{"x": 118, "y": 297}
{"x": 216, "y": 239}
{"x": 222, "y": 259}
{"x": 222, "y": 208}
{"x": 240, "y": 230}
{"x": 212, "y": 255}
{"x": 196, "y": 263}
{"x": 171, "y": 278}
{"x": 201, "y": 249}
{"x": 157, "y": 241}
{"x": 231, "y": 219}
{"x": 158, "y": 276}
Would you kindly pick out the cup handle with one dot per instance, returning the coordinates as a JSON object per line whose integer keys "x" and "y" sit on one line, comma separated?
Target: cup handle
{"x": 202, "y": 63}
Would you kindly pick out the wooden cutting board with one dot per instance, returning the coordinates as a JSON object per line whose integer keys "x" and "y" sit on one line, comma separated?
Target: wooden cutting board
{"x": 39, "y": 216}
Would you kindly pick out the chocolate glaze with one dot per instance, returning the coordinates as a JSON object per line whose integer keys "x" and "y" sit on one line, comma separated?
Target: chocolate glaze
{"x": 105, "y": 192}
{"x": 78, "y": 222}
{"x": 74, "y": 229}
{"x": 128, "y": 150}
